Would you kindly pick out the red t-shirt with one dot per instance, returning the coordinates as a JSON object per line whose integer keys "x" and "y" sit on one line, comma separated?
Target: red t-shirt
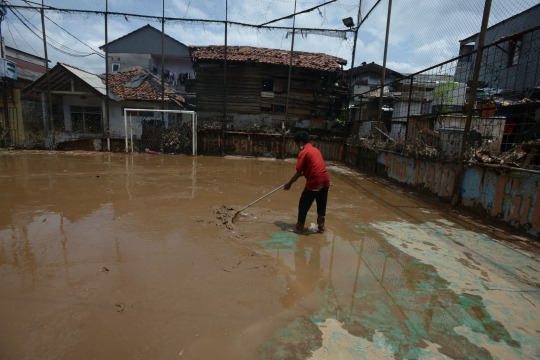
{"x": 311, "y": 164}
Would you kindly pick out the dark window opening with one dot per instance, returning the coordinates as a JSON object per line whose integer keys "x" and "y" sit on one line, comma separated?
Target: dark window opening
{"x": 115, "y": 67}
{"x": 146, "y": 114}
{"x": 86, "y": 119}
{"x": 279, "y": 108}
{"x": 268, "y": 85}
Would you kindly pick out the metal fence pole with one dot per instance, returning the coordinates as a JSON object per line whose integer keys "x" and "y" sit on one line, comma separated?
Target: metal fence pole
{"x": 409, "y": 107}
{"x": 472, "y": 100}
{"x": 224, "y": 82}
{"x": 289, "y": 82}
{"x": 163, "y": 61}
{"x": 379, "y": 113}
{"x": 51, "y": 119}
{"x": 350, "y": 90}
{"x": 162, "y": 75}
{"x": 107, "y": 119}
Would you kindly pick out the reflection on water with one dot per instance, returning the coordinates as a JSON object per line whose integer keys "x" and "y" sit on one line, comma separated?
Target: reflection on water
{"x": 376, "y": 292}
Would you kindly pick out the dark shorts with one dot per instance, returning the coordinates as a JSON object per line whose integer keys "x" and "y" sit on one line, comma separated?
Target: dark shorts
{"x": 306, "y": 200}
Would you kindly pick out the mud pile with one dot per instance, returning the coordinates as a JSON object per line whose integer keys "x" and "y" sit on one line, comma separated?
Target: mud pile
{"x": 223, "y": 216}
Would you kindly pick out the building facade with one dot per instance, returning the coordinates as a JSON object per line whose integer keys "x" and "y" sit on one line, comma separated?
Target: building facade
{"x": 142, "y": 48}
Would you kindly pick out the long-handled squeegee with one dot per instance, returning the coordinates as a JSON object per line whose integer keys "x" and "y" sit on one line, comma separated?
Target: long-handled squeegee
{"x": 259, "y": 199}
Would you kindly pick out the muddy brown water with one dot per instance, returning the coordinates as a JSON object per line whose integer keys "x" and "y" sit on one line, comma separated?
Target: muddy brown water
{"x": 113, "y": 256}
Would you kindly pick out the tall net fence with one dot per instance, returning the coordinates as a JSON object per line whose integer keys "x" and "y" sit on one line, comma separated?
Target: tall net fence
{"x": 425, "y": 113}
{"x": 429, "y": 61}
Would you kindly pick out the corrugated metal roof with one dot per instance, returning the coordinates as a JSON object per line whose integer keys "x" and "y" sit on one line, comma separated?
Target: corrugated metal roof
{"x": 91, "y": 79}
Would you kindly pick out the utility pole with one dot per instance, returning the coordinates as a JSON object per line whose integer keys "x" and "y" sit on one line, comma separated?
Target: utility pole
{"x": 51, "y": 120}
{"x": 107, "y": 77}
{"x": 224, "y": 119}
{"x": 288, "y": 84}
{"x": 379, "y": 113}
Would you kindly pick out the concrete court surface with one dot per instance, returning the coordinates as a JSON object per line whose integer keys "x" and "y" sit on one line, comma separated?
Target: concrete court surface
{"x": 108, "y": 256}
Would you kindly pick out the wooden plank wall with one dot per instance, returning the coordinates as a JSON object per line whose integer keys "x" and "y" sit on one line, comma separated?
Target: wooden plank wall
{"x": 312, "y": 91}
{"x": 262, "y": 145}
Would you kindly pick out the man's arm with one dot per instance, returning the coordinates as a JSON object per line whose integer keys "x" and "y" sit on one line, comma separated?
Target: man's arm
{"x": 293, "y": 180}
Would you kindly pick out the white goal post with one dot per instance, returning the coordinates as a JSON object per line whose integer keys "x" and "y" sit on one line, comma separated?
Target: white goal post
{"x": 129, "y": 131}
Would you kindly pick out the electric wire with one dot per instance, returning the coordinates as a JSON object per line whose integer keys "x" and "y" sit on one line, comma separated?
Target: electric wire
{"x": 76, "y": 38}
{"x": 22, "y": 37}
{"x": 51, "y": 39}
{"x": 53, "y": 43}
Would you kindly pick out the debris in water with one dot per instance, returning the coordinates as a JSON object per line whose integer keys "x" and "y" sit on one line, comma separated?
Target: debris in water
{"x": 104, "y": 269}
{"x": 120, "y": 306}
{"x": 224, "y": 216}
{"x": 181, "y": 352}
{"x": 148, "y": 151}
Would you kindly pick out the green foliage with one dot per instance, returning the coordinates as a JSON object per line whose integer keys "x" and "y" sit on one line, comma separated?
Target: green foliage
{"x": 443, "y": 96}
{"x": 343, "y": 118}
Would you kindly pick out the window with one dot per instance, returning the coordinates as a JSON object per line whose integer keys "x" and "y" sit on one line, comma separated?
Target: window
{"x": 86, "y": 119}
{"x": 115, "y": 67}
{"x": 279, "y": 86}
{"x": 514, "y": 48}
{"x": 268, "y": 85}
{"x": 145, "y": 114}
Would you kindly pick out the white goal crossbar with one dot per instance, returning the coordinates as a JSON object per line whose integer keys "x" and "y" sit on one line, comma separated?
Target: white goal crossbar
{"x": 130, "y": 135}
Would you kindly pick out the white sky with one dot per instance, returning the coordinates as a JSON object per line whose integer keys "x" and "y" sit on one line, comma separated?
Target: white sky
{"x": 422, "y": 32}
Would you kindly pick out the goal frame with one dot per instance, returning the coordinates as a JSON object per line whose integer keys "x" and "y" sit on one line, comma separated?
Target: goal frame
{"x": 193, "y": 123}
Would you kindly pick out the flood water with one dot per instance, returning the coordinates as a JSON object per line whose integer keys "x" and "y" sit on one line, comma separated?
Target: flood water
{"x": 130, "y": 257}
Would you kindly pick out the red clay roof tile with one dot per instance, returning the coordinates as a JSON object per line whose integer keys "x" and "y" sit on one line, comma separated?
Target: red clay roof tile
{"x": 315, "y": 61}
{"x": 149, "y": 89}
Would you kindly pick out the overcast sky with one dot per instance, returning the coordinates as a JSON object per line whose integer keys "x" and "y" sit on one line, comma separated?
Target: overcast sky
{"x": 422, "y": 32}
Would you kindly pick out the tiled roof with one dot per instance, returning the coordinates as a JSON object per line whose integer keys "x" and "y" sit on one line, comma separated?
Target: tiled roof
{"x": 138, "y": 84}
{"x": 316, "y": 61}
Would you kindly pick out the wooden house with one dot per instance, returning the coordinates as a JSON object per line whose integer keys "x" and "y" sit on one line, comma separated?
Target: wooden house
{"x": 257, "y": 81}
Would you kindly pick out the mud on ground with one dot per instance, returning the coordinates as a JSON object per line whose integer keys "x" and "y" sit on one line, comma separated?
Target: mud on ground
{"x": 114, "y": 256}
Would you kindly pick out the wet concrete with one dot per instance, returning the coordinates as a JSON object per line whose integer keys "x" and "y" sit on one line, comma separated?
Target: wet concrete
{"x": 114, "y": 256}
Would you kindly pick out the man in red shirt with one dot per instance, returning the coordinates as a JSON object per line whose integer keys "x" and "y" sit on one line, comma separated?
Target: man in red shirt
{"x": 311, "y": 165}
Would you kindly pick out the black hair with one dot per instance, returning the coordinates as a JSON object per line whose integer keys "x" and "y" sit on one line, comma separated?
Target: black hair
{"x": 301, "y": 136}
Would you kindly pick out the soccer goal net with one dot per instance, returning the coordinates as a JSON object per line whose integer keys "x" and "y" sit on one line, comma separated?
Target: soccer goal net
{"x": 162, "y": 131}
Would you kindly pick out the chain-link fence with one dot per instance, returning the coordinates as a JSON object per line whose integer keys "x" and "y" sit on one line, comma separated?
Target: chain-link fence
{"x": 425, "y": 113}
{"x": 101, "y": 42}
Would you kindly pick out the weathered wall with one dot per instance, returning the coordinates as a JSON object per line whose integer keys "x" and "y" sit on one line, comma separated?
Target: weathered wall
{"x": 261, "y": 145}
{"x": 32, "y": 115}
{"x": 437, "y": 178}
{"x": 128, "y": 60}
{"x": 512, "y": 196}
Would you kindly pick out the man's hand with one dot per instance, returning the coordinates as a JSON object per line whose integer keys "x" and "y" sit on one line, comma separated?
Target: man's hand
{"x": 293, "y": 180}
